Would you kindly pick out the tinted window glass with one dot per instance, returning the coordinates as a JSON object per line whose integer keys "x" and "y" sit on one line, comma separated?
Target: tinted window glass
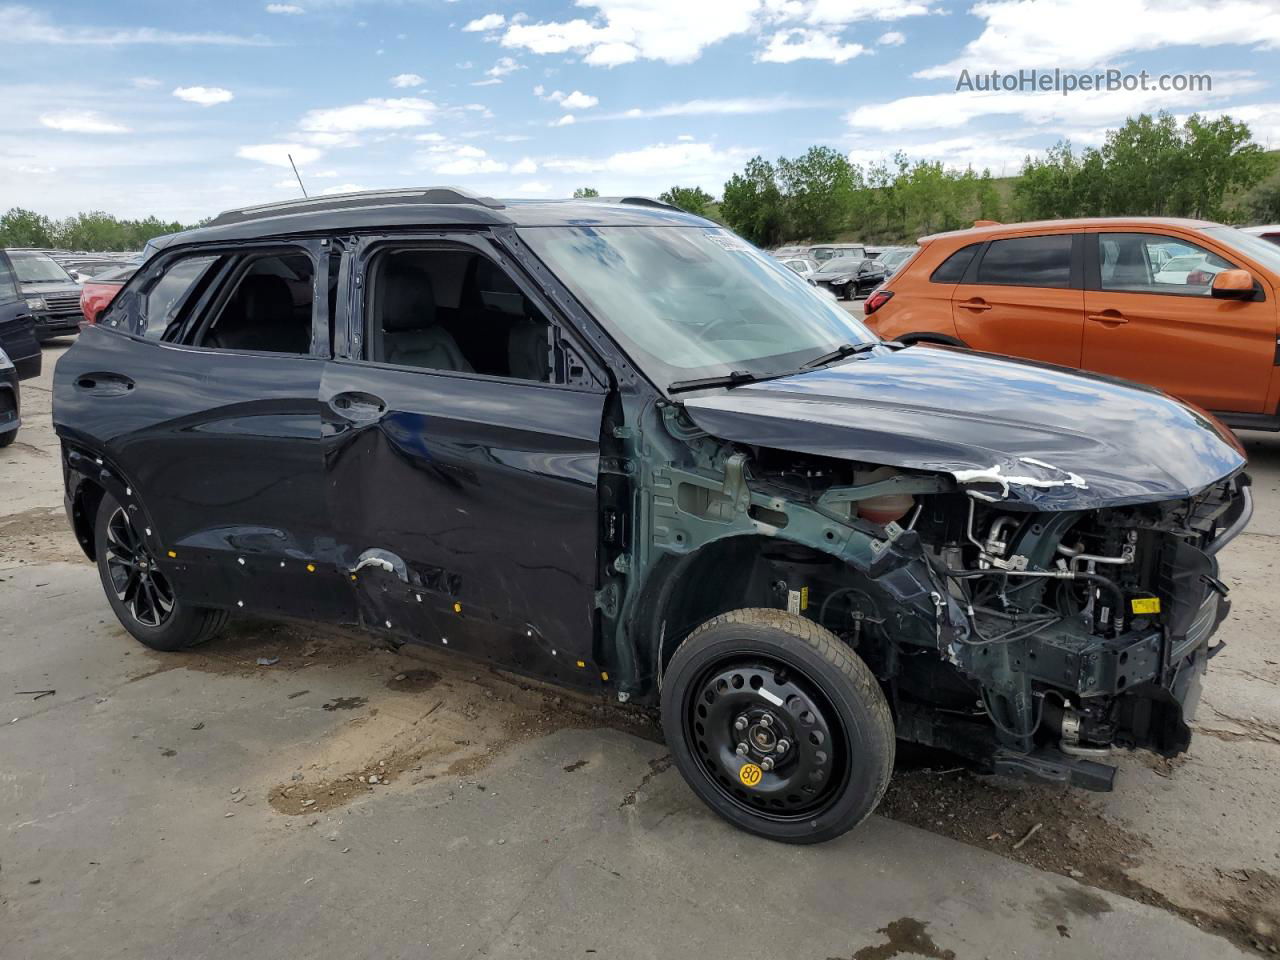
{"x": 952, "y": 269}
{"x": 8, "y": 283}
{"x": 166, "y": 296}
{"x": 455, "y": 310}
{"x": 268, "y": 310}
{"x": 1028, "y": 262}
{"x": 1151, "y": 263}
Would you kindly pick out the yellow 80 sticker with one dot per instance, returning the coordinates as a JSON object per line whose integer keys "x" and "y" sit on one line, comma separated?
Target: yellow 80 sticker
{"x": 750, "y": 774}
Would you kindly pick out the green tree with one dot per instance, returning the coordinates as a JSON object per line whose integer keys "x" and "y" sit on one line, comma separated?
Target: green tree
{"x": 818, "y": 187}
{"x": 690, "y": 199}
{"x": 25, "y": 228}
{"x": 752, "y": 203}
{"x": 1220, "y": 158}
{"x": 585, "y": 193}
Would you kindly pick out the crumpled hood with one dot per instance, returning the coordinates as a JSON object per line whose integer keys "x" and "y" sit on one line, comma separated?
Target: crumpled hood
{"x": 1024, "y": 433}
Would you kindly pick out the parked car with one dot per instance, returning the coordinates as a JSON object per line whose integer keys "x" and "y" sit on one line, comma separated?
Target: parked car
{"x": 850, "y": 277}
{"x": 802, "y": 266}
{"x": 52, "y": 294}
{"x": 17, "y": 328}
{"x": 99, "y": 291}
{"x": 1270, "y": 232}
{"x": 833, "y": 251}
{"x": 1093, "y": 293}
{"x": 10, "y": 401}
{"x": 894, "y": 258}
{"x": 613, "y": 446}
{"x": 82, "y": 269}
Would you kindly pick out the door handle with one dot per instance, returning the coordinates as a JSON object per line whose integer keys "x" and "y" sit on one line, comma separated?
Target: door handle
{"x": 104, "y": 384}
{"x": 1111, "y": 317}
{"x": 977, "y": 304}
{"x": 358, "y": 407}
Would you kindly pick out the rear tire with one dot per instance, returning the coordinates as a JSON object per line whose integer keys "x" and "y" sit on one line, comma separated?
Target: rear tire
{"x": 816, "y": 728}
{"x": 140, "y": 594}
{"x": 7, "y": 438}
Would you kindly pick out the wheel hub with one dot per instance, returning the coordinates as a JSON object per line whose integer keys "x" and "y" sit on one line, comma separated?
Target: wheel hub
{"x": 766, "y": 737}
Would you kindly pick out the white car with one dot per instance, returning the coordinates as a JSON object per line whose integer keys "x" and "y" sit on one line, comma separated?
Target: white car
{"x": 801, "y": 265}
{"x": 1178, "y": 269}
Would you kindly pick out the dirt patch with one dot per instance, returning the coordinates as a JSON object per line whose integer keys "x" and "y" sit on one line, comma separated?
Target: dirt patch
{"x": 39, "y": 535}
{"x": 656, "y": 766}
{"x": 1075, "y": 840}
{"x": 280, "y": 646}
{"x": 414, "y": 681}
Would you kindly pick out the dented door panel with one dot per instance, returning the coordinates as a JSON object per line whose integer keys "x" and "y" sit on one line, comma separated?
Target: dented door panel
{"x": 465, "y": 509}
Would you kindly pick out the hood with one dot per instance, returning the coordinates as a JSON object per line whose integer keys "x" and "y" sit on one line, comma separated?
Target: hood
{"x": 1027, "y": 434}
{"x": 51, "y": 287}
{"x": 826, "y": 271}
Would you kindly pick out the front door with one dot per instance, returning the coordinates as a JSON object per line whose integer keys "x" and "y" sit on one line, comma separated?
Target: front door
{"x": 462, "y": 455}
{"x": 1150, "y": 317}
{"x": 1023, "y": 298}
{"x": 206, "y": 361}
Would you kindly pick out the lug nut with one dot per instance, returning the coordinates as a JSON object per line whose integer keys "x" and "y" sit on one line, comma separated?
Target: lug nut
{"x": 767, "y": 720}
{"x": 740, "y": 723}
{"x": 766, "y": 763}
{"x": 742, "y": 749}
{"x": 782, "y": 746}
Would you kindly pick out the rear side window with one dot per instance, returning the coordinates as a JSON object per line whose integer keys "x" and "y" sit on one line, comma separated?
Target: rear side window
{"x": 952, "y": 269}
{"x": 266, "y": 309}
{"x": 166, "y": 296}
{"x": 1028, "y": 262}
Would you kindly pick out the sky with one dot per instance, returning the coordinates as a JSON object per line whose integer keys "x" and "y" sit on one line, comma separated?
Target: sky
{"x": 182, "y": 109}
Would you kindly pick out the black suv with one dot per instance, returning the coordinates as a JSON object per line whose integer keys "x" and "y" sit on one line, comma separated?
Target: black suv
{"x": 611, "y": 445}
{"x": 52, "y": 294}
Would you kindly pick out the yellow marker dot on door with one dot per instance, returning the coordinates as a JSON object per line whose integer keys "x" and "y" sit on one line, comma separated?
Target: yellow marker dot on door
{"x": 582, "y": 663}
{"x": 457, "y": 608}
{"x": 311, "y": 568}
{"x": 172, "y": 555}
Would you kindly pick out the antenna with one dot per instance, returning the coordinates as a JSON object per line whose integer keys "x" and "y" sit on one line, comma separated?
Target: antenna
{"x": 296, "y": 174}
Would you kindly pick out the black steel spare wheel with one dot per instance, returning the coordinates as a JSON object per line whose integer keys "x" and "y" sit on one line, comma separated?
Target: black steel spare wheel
{"x": 139, "y": 588}
{"x": 778, "y": 725}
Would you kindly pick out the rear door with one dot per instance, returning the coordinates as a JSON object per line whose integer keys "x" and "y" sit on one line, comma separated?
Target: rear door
{"x": 17, "y": 327}
{"x": 1024, "y": 297}
{"x": 1150, "y": 317}
{"x": 462, "y": 449}
{"x": 199, "y": 388}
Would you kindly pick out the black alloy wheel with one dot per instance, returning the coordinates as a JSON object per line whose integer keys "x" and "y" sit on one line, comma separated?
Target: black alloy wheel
{"x": 137, "y": 581}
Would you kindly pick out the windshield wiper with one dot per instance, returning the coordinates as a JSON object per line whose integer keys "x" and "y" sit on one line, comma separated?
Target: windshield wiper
{"x": 839, "y": 353}
{"x": 731, "y": 379}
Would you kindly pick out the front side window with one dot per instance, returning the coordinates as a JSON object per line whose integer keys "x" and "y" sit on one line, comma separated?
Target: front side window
{"x": 1028, "y": 262}
{"x": 1152, "y": 263}
{"x": 453, "y": 309}
{"x": 162, "y": 301}
{"x": 693, "y": 302}
{"x": 266, "y": 308}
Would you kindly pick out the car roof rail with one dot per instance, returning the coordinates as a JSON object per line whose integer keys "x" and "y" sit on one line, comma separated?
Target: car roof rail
{"x": 643, "y": 202}
{"x": 362, "y": 198}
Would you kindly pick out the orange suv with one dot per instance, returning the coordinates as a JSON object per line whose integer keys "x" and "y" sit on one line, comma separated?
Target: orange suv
{"x": 1184, "y": 305}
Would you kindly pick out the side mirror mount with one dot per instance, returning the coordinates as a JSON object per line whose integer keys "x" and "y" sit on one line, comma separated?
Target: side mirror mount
{"x": 1233, "y": 285}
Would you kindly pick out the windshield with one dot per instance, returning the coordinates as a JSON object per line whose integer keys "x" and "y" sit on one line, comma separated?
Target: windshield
{"x": 1263, "y": 251}
{"x": 694, "y": 302}
{"x": 37, "y": 268}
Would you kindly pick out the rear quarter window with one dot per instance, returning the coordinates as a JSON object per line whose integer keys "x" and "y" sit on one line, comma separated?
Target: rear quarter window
{"x": 952, "y": 269}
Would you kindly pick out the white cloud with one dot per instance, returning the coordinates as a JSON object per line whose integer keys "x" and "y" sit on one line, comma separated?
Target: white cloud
{"x": 566, "y": 121}
{"x": 891, "y": 39}
{"x": 288, "y": 9}
{"x": 534, "y": 188}
{"x": 490, "y": 21}
{"x": 504, "y": 66}
{"x": 579, "y": 101}
{"x": 611, "y": 55}
{"x": 277, "y": 154}
{"x": 81, "y": 121}
{"x": 1263, "y": 120}
{"x": 374, "y": 114}
{"x": 25, "y": 26}
{"x": 429, "y": 137}
{"x": 842, "y": 12}
{"x": 404, "y": 80}
{"x": 466, "y": 161}
{"x": 525, "y": 166}
{"x": 205, "y": 96}
{"x": 695, "y": 163}
{"x": 787, "y": 46}
{"x": 1090, "y": 33}
{"x": 145, "y": 83}
{"x": 686, "y": 138}
{"x": 1091, "y": 108}
{"x": 729, "y": 106}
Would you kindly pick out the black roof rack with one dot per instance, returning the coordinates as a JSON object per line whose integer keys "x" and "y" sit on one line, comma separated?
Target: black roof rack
{"x": 364, "y": 198}
{"x": 644, "y": 202}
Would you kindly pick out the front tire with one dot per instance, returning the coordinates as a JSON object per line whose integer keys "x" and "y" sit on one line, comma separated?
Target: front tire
{"x": 778, "y": 726}
{"x": 140, "y": 594}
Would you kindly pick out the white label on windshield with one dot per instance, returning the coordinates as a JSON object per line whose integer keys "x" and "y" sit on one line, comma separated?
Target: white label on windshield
{"x": 728, "y": 241}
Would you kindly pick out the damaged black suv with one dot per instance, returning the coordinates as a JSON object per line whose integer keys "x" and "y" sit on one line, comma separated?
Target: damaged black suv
{"x": 611, "y": 445}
